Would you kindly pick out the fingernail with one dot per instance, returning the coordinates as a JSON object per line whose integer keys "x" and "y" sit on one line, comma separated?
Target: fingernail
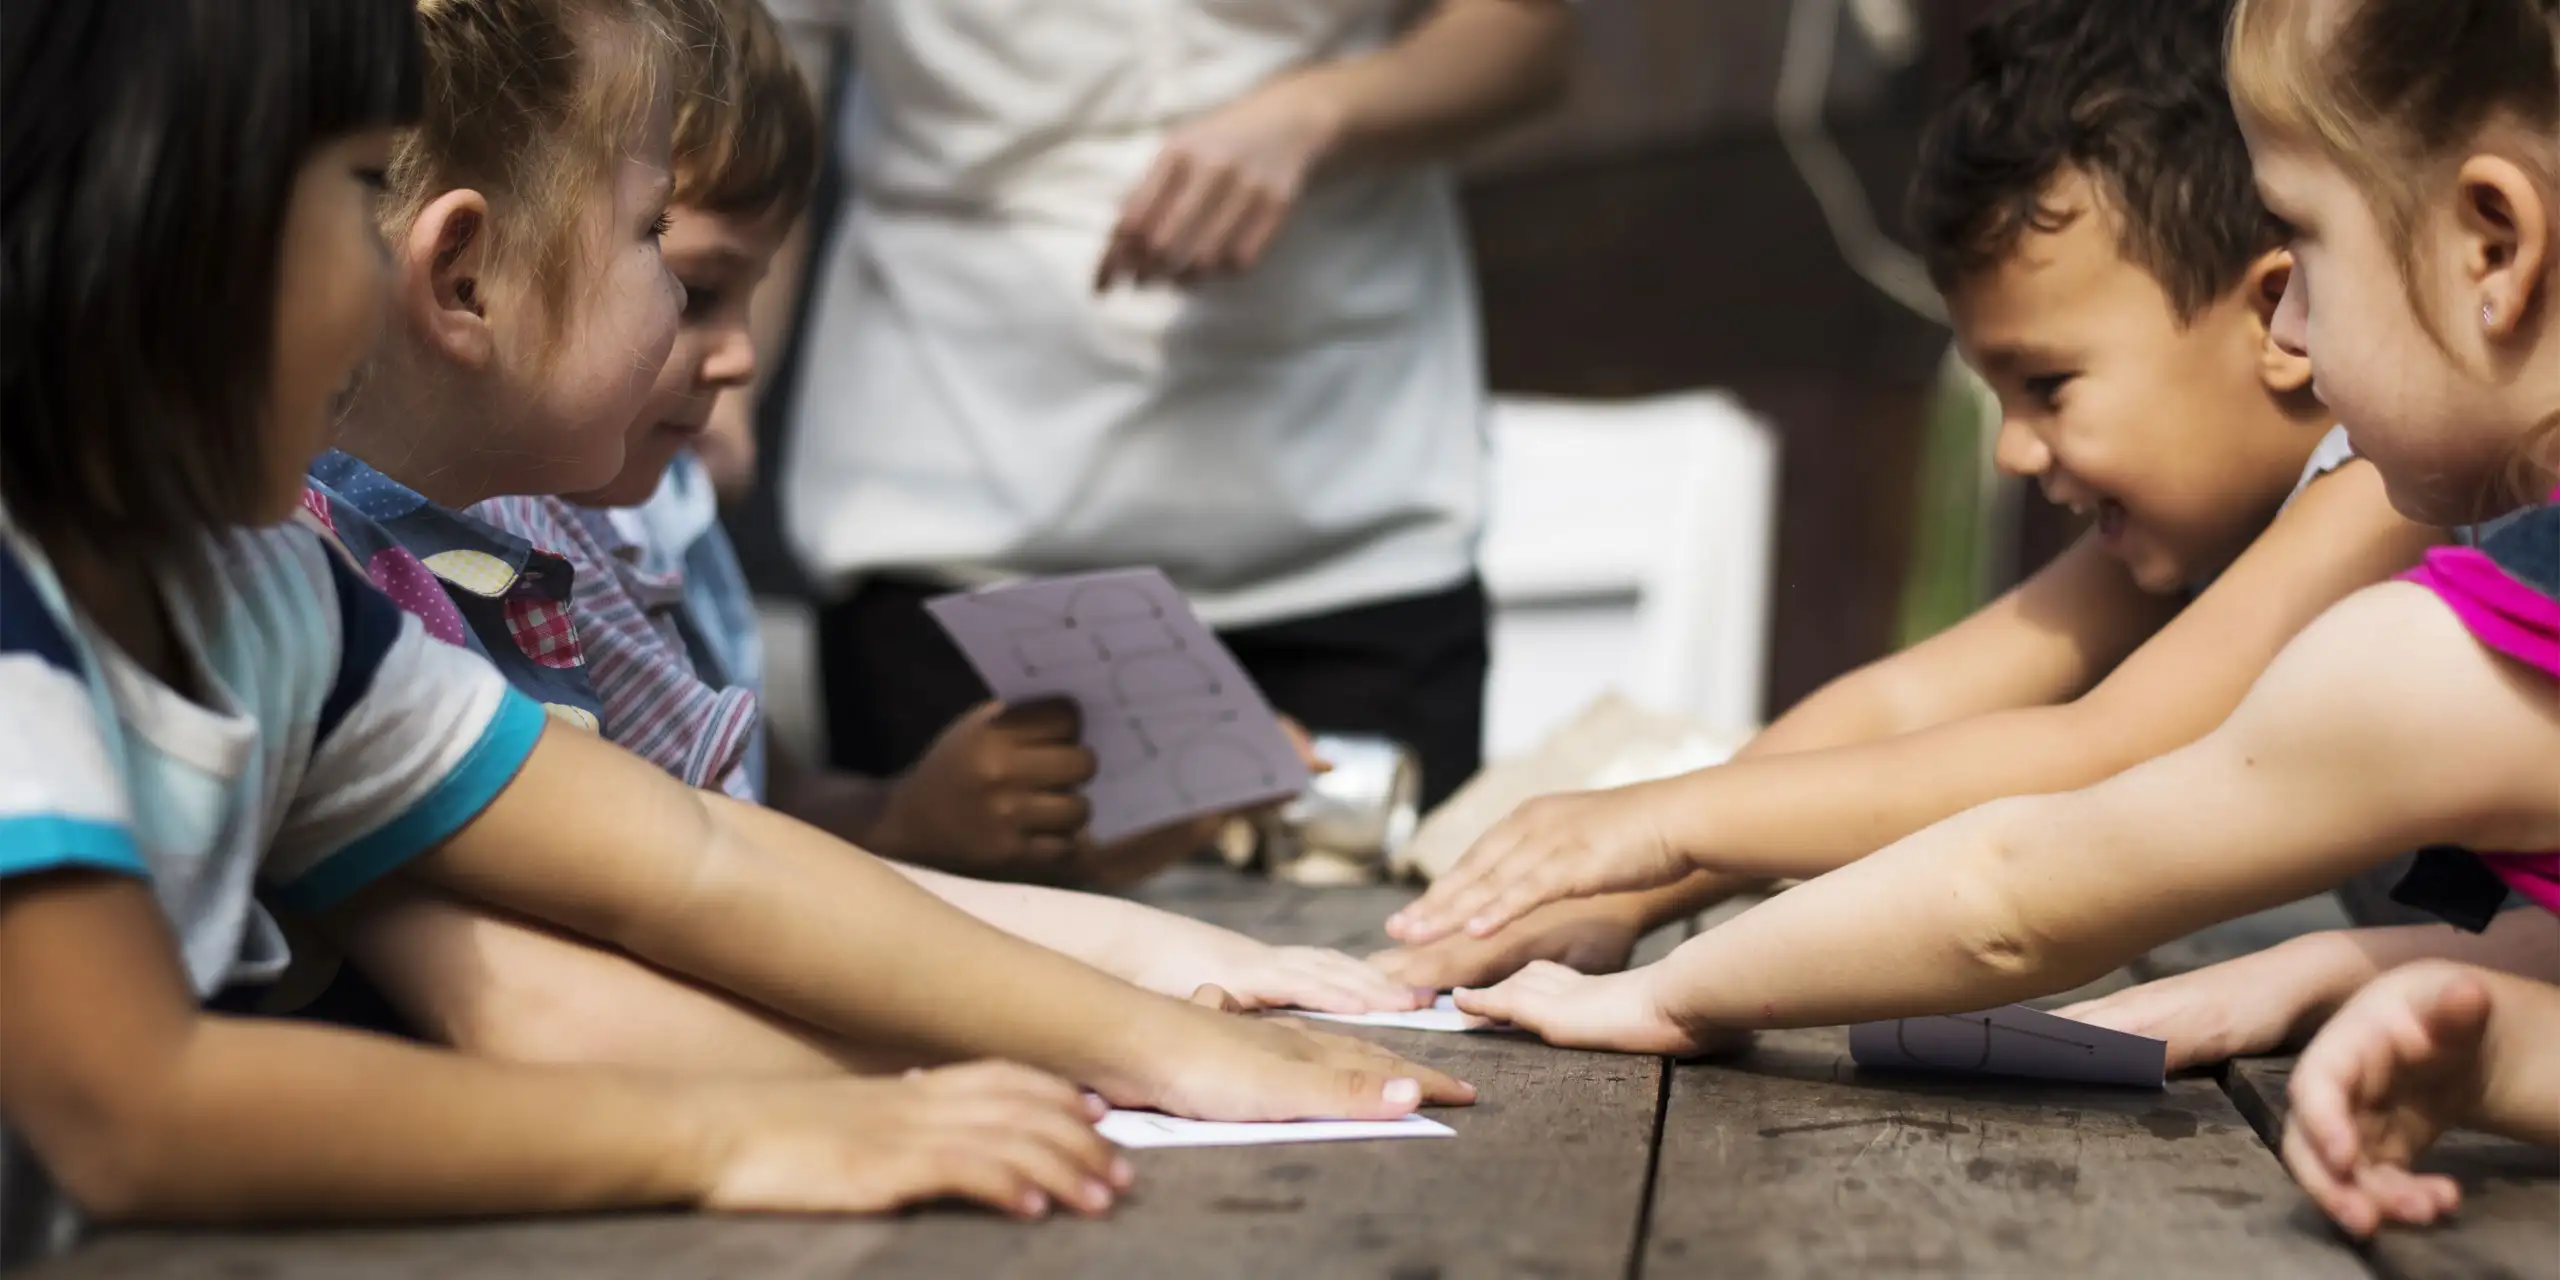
{"x": 1034, "y": 1204}
{"x": 1122, "y": 1172}
{"x": 1404, "y": 1093}
{"x": 1095, "y": 1195}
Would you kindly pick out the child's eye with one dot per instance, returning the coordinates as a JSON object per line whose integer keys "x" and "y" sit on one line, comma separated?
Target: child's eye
{"x": 658, "y": 228}
{"x": 2046, "y": 389}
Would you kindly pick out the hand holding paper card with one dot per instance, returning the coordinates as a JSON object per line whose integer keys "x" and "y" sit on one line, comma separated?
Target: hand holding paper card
{"x": 2013, "y": 1040}
{"x": 1176, "y": 726}
{"x": 1139, "y": 1130}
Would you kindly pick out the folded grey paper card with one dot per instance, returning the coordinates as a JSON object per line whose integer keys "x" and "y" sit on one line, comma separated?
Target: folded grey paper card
{"x": 2012, "y": 1041}
{"x": 1176, "y": 726}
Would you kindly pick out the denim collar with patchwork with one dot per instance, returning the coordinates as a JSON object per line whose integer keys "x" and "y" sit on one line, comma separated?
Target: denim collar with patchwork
{"x": 471, "y": 583}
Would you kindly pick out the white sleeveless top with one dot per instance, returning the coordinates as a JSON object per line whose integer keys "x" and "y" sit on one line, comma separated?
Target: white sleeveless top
{"x": 1306, "y": 437}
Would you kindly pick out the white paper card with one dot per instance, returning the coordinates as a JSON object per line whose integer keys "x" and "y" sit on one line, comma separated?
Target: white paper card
{"x": 1176, "y": 726}
{"x": 1139, "y": 1130}
{"x": 1443, "y": 1015}
{"x": 2013, "y": 1040}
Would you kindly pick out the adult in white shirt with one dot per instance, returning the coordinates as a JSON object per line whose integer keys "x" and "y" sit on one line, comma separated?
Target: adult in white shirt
{"x": 1168, "y": 282}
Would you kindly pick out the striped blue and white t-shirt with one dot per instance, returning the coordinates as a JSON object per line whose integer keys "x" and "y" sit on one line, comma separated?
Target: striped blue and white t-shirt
{"x": 330, "y": 742}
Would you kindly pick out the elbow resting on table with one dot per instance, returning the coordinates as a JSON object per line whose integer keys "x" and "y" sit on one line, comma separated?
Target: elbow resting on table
{"x": 108, "y": 1144}
{"x": 105, "y": 1166}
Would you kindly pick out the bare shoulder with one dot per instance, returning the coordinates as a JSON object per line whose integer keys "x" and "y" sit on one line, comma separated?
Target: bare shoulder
{"x": 2390, "y": 684}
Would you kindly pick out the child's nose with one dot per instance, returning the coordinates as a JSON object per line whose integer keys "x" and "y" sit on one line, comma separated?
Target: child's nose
{"x": 2020, "y": 452}
{"x": 732, "y": 362}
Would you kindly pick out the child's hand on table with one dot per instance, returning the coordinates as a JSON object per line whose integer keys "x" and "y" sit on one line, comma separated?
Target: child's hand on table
{"x": 1574, "y": 845}
{"x": 2256, "y": 1003}
{"x": 1249, "y": 1069}
{"x": 2399, "y": 1065}
{"x": 1258, "y": 975}
{"x": 1618, "y": 1012}
{"x": 1008, "y": 1137}
{"x": 1595, "y": 935}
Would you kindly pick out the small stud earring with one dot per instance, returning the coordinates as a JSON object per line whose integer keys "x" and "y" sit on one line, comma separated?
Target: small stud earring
{"x": 2488, "y": 315}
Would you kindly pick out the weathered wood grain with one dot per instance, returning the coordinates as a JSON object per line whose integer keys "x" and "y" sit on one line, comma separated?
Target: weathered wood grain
{"x": 648, "y": 1247}
{"x": 1788, "y": 1161}
{"x": 2510, "y": 1221}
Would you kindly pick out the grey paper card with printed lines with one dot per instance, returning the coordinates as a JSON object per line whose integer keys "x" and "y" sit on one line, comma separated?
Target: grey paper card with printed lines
{"x": 1176, "y": 726}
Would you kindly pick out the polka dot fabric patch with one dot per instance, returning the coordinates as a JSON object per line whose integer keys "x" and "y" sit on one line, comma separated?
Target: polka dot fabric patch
{"x": 414, "y": 589}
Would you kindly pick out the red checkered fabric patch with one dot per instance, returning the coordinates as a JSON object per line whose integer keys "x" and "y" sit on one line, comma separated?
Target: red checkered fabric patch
{"x": 542, "y": 629}
{"x": 318, "y": 506}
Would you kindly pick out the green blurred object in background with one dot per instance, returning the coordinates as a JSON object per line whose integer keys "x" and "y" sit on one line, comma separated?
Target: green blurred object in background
{"x": 1961, "y": 517}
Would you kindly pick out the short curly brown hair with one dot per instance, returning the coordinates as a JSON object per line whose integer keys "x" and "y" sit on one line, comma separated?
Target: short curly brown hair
{"x": 2127, "y": 93}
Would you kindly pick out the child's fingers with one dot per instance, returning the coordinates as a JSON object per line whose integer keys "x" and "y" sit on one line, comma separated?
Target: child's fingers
{"x": 1054, "y": 766}
{"x": 1045, "y": 812}
{"x": 1445, "y": 905}
{"x": 1365, "y": 981}
{"x": 1453, "y": 900}
{"x": 1500, "y": 1002}
{"x": 1060, "y": 1154}
{"x": 1054, "y": 720}
{"x": 2402, "y": 1196}
{"x": 1517, "y": 899}
{"x": 2447, "y": 1193}
{"x": 1316, "y": 995}
{"x": 1211, "y": 995}
{"x": 2344, "y": 1205}
{"x": 1438, "y": 1088}
{"x": 988, "y": 1178}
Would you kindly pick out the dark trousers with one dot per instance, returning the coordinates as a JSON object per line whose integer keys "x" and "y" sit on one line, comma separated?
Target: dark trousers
{"x": 1411, "y": 669}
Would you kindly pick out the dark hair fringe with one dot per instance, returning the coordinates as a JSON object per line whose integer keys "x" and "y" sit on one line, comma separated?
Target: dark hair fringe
{"x": 148, "y": 155}
{"x": 2129, "y": 93}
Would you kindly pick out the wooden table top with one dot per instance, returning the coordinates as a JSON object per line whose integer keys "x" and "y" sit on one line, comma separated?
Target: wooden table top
{"x": 1785, "y": 1161}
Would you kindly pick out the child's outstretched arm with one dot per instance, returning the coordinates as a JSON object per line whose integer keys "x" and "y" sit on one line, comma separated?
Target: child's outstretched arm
{"x": 594, "y": 841}
{"x": 2383, "y": 727}
{"x": 2423, "y": 1049}
{"x": 2263, "y": 1001}
{"x": 1168, "y": 953}
{"x": 1807, "y": 813}
{"x": 146, "y": 1110}
{"x": 2045, "y": 640}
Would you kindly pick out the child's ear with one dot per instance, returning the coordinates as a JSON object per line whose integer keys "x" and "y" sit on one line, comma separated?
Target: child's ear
{"x": 2285, "y": 372}
{"x": 2505, "y": 225}
{"x": 444, "y": 277}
